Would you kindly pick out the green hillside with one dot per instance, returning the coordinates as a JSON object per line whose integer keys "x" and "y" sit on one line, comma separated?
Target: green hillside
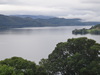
{"x": 93, "y": 30}
{"x": 17, "y": 22}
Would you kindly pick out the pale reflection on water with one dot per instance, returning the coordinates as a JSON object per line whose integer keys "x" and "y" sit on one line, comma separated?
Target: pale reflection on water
{"x": 35, "y": 43}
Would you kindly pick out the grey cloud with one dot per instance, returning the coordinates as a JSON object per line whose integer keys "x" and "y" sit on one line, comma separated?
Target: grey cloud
{"x": 85, "y": 9}
{"x": 91, "y": 1}
{"x": 9, "y": 1}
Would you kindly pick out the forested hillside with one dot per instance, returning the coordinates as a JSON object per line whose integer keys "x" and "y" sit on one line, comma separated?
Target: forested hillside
{"x": 17, "y": 22}
{"x": 34, "y": 16}
{"x": 93, "y": 30}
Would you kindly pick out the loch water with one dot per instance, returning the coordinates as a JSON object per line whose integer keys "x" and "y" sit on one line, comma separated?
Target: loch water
{"x": 35, "y": 43}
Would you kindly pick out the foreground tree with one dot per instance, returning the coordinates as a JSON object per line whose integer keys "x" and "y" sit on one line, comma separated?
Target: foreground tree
{"x": 20, "y": 65}
{"x": 41, "y": 70}
{"x": 6, "y": 70}
{"x": 77, "y": 56}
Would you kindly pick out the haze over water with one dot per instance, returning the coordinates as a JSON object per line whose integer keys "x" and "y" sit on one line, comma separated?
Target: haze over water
{"x": 35, "y": 43}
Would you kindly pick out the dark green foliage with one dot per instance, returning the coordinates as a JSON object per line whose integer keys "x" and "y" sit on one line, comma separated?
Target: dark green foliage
{"x": 20, "y": 65}
{"x": 93, "y": 30}
{"x": 41, "y": 70}
{"x": 6, "y": 70}
{"x": 77, "y": 56}
{"x": 80, "y": 31}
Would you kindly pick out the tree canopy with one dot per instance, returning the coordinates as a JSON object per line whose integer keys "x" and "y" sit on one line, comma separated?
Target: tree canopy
{"x": 77, "y": 56}
{"x": 20, "y": 66}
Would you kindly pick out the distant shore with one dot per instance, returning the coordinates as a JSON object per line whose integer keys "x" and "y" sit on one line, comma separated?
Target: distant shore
{"x": 93, "y": 30}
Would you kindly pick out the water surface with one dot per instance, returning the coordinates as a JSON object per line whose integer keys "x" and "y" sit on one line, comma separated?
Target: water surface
{"x": 35, "y": 43}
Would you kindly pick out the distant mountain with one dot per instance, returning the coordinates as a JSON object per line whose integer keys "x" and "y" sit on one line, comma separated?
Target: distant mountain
{"x": 65, "y": 22}
{"x": 34, "y": 16}
{"x": 17, "y": 22}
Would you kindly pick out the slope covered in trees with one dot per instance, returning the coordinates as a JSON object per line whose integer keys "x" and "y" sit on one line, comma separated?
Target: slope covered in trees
{"x": 34, "y": 16}
{"x": 93, "y": 30}
{"x": 17, "y": 22}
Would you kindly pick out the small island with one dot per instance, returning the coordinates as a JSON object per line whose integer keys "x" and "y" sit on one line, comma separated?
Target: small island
{"x": 93, "y": 30}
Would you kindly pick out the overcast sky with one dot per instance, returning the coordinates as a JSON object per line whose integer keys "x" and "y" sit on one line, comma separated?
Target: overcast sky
{"x": 88, "y": 10}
